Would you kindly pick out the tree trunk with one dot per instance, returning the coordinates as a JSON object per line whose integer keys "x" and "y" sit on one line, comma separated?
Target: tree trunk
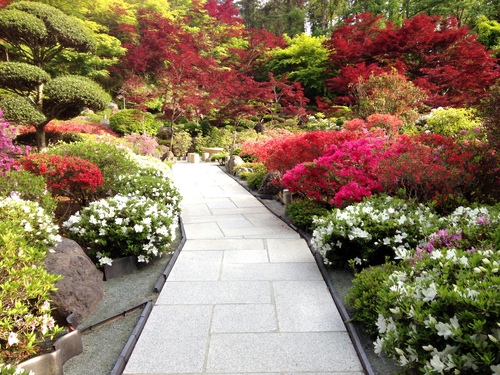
{"x": 40, "y": 135}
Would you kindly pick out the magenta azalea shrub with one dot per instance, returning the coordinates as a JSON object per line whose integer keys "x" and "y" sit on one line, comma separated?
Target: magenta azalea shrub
{"x": 344, "y": 174}
{"x": 7, "y": 148}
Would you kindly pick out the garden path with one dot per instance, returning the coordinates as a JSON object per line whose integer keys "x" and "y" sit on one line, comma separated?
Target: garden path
{"x": 245, "y": 295}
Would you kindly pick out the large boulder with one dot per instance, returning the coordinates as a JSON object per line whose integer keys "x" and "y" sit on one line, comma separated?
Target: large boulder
{"x": 82, "y": 287}
{"x": 269, "y": 185}
{"x": 233, "y": 162}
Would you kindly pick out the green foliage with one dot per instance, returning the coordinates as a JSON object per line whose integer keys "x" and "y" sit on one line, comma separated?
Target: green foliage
{"x": 20, "y": 110}
{"x": 253, "y": 173}
{"x": 488, "y": 31}
{"x": 67, "y": 96}
{"x": 182, "y": 143}
{"x": 13, "y": 370}
{"x": 453, "y": 122}
{"x": 302, "y": 212}
{"x": 21, "y": 77}
{"x": 304, "y": 61}
{"x": 111, "y": 160}
{"x": 56, "y": 28}
{"x": 130, "y": 121}
{"x": 28, "y": 187}
{"x": 363, "y": 295}
{"x": 389, "y": 94}
{"x": 27, "y": 233}
{"x": 217, "y": 137}
{"x": 373, "y": 229}
{"x": 124, "y": 225}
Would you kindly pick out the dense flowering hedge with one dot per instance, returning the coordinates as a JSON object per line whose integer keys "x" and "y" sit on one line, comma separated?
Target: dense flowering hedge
{"x": 73, "y": 126}
{"x": 345, "y": 172}
{"x": 65, "y": 175}
{"x": 285, "y": 152}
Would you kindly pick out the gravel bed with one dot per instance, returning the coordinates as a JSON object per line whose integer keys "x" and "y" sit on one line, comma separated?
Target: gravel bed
{"x": 102, "y": 344}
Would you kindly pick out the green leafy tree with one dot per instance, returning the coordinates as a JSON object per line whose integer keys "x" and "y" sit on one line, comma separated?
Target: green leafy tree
{"x": 33, "y": 35}
{"x": 304, "y": 61}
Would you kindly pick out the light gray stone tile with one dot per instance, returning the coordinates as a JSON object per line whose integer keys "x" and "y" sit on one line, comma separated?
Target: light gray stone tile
{"x": 224, "y": 244}
{"x": 271, "y": 271}
{"x": 246, "y": 201}
{"x": 245, "y": 256}
{"x": 238, "y": 211}
{"x": 244, "y": 318}
{"x": 200, "y": 209}
{"x": 174, "y": 340}
{"x": 214, "y": 292}
{"x": 282, "y": 352}
{"x": 197, "y": 266}
{"x": 306, "y": 306}
{"x": 212, "y": 219}
{"x": 278, "y": 231}
{"x": 289, "y": 250}
{"x": 203, "y": 231}
{"x": 263, "y": 219}
{"x": 224, "y": 203}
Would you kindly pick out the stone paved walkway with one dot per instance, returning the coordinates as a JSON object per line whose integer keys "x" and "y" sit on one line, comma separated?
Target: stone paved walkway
{"x": 245, "y": 295}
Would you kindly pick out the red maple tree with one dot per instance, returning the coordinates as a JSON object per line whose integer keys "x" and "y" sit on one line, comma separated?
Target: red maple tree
{"x": 437, "y": 54}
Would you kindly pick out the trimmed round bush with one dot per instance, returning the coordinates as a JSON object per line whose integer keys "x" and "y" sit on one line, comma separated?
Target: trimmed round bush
{"x": 130, "y": 121}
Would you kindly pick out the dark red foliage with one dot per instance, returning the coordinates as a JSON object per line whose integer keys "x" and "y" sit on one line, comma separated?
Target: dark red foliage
{"x": 436, "y": 54}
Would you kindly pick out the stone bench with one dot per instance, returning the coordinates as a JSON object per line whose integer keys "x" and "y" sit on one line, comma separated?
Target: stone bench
{"x": 211, "y": 151}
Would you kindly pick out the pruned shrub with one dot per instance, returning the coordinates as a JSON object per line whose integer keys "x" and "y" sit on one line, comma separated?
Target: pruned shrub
{"x": 67, "y": 176}
{"x": 302, "y": 212}
{"x": 111, "y": 160}
{"x": 128, "y": 121}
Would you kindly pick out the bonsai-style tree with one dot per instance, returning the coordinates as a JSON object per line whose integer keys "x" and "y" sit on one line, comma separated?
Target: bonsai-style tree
{"x": 32, "y": 35}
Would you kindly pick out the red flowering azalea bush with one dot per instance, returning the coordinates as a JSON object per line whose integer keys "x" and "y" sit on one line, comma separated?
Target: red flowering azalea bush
{"x": 65, "y": 175}
{"x": 427, "y": 167}
{"x": 74, "y": 126}
{"x": 284, "y": 153}
{"x": 345, "y": 173}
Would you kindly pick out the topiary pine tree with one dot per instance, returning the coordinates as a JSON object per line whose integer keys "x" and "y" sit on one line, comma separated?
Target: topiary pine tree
{"x": 32, "y": 35}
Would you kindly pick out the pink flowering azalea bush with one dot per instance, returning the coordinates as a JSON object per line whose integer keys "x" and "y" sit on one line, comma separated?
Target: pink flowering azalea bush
{"x": 7, "y": 148}
{"x": 344, "y": 174}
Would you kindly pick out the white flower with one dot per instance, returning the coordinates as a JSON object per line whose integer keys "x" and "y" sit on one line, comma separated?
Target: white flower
{"x": 495, "y": 369}
{"x": 378, "y": 345}
{"x": 430, "y": 293}
{"x": 119, "y": 220}
{"x": 443, "y": 329}
{"x": 138, "y": 228}
{"x": 437, "y": 364}
{"x": 105, "y": 260}
{"x": 12, "y": 340}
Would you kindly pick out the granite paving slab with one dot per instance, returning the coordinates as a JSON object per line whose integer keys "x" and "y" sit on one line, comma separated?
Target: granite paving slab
{"x": 245, "y": 295}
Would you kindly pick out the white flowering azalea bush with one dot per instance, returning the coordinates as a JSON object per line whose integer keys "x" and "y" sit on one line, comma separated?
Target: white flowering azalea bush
{"x": 441, "y": 315}
{"x": 124, "y": 225}
{"x": 27, "y": 233}
{"x": 369, "y": 231}
{"x": 437, "y": 309}
{"x": 151, "y": 184}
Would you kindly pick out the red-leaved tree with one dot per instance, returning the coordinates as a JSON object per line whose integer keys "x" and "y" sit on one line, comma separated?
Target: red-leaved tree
{"x": 436, "y": 54}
